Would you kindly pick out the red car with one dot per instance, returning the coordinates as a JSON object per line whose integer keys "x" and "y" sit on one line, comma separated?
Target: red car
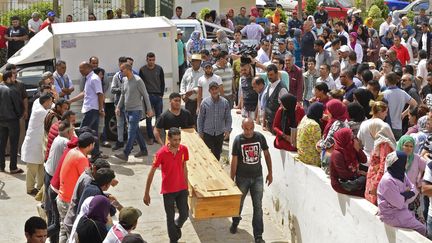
{"x": 335, "y": 8}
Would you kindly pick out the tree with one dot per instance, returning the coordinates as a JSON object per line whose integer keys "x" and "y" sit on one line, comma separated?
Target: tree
{"x": 311, "y": 6}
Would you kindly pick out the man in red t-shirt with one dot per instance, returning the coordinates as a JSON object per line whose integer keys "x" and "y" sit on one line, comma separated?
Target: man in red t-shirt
{"x": 172, "y": 159}
{"x": 3, "y": 47}
{"x": 49, "y": 20}
{"x": 401, "y": 51}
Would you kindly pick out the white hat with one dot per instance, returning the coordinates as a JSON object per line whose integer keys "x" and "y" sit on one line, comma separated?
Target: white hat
{"x": 344, "y": 48}
{"x": 179, "y": 31}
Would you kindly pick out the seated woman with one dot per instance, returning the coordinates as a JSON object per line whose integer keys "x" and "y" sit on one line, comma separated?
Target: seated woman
{"x": 394, "y": 190}
{"x": 414, "y": 170}
{"x": 288, "y": 116}
{"x": 384, "y": 143}
{"x": 92, "y": 227}
{"x": 414, "y": 116}
{"x": 309, "y": 133}
{"x": 345, "y": 176}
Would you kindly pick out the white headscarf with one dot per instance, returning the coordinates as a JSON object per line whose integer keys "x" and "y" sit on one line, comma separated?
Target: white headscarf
{"x": 84, "y": 210}
{"x": 381, "y": 133}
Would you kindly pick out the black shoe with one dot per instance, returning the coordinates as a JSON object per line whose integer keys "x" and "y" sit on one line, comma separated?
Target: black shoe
{"x": 233, "y": 228}
{"x": 117, "y": 146}
{"x": 122, "y": 156}
{"x": 259, "y": 240}
{"x": 33, "y": 192}
{"x": 141, "y": 154}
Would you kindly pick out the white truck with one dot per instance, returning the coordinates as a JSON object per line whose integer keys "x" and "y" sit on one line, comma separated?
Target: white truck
{"x": 106, "y": 39}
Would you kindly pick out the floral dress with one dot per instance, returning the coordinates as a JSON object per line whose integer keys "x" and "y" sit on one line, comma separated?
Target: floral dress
{"x": 308, "y": 134}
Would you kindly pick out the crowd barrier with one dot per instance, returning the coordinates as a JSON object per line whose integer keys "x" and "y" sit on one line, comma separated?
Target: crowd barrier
{"x": 302, "y": 202}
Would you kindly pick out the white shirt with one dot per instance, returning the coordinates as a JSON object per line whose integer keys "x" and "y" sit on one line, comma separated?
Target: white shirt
{"x": 272, "y": 87}
{"x": 422, "y": 71}
{"x": 190, "y": 81}
{"x": 359, "y": 52}
{"x": 115, "y": 234}
{"x": 56, "y": 151}
{"x": 424, "y": 41}
{"x": 262, "y": 56}
{"x": 344, "y": 33}
{"x": 383, "y": 28}
{"x": 329, "y": 81}
{"x": 203, "y": 82}
{"x": 34, "y": 24}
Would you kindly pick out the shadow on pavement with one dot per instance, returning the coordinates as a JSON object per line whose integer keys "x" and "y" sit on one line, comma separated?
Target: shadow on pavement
{"x": 3, "y": 194}
{"x": 122, "y": 170}
{"x": 217, "y": 230}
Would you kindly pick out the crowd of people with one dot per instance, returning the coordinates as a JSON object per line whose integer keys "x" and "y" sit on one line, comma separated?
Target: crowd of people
{"x": 348, "y": 98}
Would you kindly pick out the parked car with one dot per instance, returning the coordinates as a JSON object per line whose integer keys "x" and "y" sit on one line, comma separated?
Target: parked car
{"x": 415, "y": 6}
{"x": 335, "y": 8}
{"x": 396, "y": 4}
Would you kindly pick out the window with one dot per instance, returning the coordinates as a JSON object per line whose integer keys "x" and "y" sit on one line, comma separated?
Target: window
{"x": 31, "y": 76}
{"x": 421, "y": 5}
{"x": 187, "y": 31}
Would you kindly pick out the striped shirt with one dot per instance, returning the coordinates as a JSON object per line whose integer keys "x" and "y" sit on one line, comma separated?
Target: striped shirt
{"x": 226, "y": 75}
{"x": 214, "y": 117}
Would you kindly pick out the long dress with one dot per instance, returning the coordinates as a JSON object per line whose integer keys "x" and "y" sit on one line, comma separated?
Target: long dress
{"x": 393, "y": 209}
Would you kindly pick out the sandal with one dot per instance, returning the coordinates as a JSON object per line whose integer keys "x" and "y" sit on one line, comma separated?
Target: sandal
{"x": 17, "y": 171}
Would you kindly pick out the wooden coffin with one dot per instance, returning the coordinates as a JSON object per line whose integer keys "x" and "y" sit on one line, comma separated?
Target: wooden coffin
{"x": 212, "y": 192}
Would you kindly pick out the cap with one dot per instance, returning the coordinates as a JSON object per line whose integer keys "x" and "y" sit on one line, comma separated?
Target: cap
{"x": 213, "y": 84}
{"x": 51, "y": 14}
{"x": 35, "y": 14}
{"x": 357, "y": 11}
{"x": 179, "y": 31}
{"x": 281, "y": 41}
{"x": 133, "y": 238}
{"x": 85, "y": 139}
{"x": 196, "y": 57}
{"x": 206, "y": 64}
{"x": 129, "y": 215}
{"x": 46, "y": 75}
{"x": 344, "y": 48}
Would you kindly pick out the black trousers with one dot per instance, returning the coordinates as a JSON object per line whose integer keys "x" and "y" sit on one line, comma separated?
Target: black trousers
{"x": 180, "y": 198}
{"x": 214, "y": 143}
{"x": 11, "y": 130}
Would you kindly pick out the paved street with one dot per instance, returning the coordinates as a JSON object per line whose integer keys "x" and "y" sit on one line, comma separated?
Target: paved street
{"x": 16, "y": 206}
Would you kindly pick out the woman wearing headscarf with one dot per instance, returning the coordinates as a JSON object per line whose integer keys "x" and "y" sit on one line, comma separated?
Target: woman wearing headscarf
{"x": 409, "y": 42}
{"x": 222, "y": 40}
{"x": 363, "y": 38}
{"x": 288, "y": 116}
{"x": 387, "y": 39}
{"x": 297, "y": 48}
{"x": 83, "y": 211}
{"x": 394, "y": 191}
{"x": 254, "y": 11}
{"x": 415, "y": 168}
{"x": 345, "y": 176}
{"x": 195, "y": 44}
{"x": 92, "y": 227}
{"x": 356, "y": 116}
{"x": 309, "y": 133}
{"x": 276, "y": 18}
{"x": 414, "y": 116}
{"x": 355, "y": 46}
{"x": 363, "y": 97}
{"x": 338, "y": 114}
{"x": 369, "y": 22}
{"x": 373, "y": 46}
{"x": 384, "y": 143}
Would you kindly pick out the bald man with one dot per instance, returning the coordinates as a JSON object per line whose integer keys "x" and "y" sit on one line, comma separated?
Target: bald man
{"x": 246, "y": 170}
{"x": 93, "y": 104}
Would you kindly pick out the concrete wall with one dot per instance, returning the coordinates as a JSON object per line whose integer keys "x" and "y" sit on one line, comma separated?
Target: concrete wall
{"x": 302, "y": 202}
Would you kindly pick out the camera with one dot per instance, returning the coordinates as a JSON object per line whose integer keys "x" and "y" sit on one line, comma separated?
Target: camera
{"x": 246, "y": 53}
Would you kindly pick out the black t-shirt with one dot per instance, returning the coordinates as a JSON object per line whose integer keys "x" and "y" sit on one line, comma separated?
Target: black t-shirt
{"x": 16, "y": 32}
{"x": 168, "y": 120}
{"x": 248, "y": 151}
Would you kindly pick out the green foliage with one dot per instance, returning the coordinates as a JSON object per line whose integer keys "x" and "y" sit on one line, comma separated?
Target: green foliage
{"x": 311, "y": 6}
{"x": 410, "y": 15}
{"x": 25, "y": 14}
{"x": 374, "y": 12}
{"x": 203, "y": 12}
{"x": 382, "y": 6}
{"x": 283, "y": 15}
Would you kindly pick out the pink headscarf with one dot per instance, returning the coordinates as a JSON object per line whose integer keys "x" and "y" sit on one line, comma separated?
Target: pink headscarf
{"x": 254, "y": 12}
{"x": 353, "y": 35}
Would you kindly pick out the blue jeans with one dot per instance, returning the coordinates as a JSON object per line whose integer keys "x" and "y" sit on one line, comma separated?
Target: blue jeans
{"x": 156, "y": 103}
{"x": 134, "y": 132}
{"x": 121, "y": 121}
{"x": 256, "y": 188}
{"x": 429, "y": 227}
{"x": 91, "y": 120}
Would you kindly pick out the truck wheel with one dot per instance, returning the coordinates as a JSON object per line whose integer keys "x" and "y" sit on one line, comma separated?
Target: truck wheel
{"x": 110, "y": 122}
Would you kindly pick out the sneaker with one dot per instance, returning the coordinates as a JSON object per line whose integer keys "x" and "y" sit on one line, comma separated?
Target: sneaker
{"x": 17, "y": 171}
{"x": 259, "y": 240}
{"x": 39, "y": 195}
{"x": 121, "y": 156}
{"x": 141, "y": 154}
{"x": 233, "y": 228}
{"x": 117, "y": 145}
{"x": 106, "y": 144}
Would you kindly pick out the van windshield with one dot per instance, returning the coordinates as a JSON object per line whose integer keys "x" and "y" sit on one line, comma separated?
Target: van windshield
{"x": 410, "y": 6}
{"x": 345, "y": 3}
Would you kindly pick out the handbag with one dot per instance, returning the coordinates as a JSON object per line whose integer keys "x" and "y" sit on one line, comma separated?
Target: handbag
{"x": 353, "y": 185}
{"x": 293, "y": 137}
